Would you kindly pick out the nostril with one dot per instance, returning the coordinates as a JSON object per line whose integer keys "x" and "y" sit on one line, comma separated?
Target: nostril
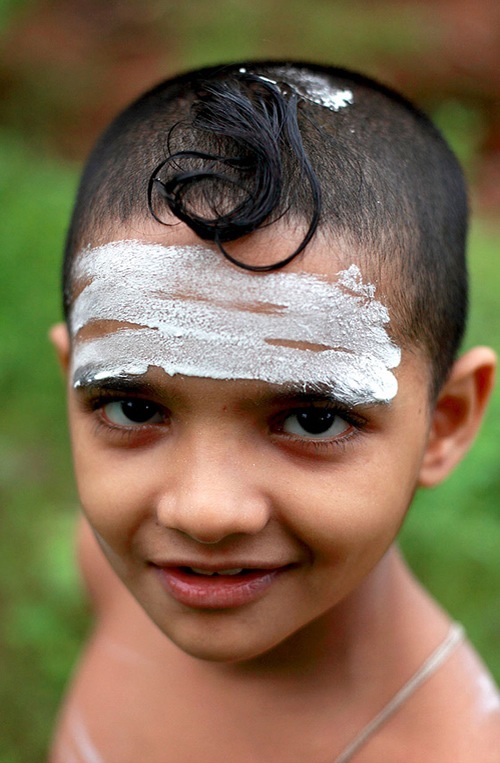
{"x": 208, "y": 511}
{"x": 203, "y": 537}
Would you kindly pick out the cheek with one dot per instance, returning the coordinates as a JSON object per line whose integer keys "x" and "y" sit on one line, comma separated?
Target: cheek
{"x": 350, "y": 514}
{"x": 116, "y": 494}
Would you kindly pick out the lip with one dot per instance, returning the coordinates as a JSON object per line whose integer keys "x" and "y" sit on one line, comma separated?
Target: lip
{"x": 217, "y": 591}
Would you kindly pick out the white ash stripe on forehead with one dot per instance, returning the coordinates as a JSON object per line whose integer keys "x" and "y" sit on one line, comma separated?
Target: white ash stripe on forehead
{"x": 355, "y": 379}
{"x": 185, "y": 290}
{"x": 276, "y": 307}
{"x": 202, "y": 317}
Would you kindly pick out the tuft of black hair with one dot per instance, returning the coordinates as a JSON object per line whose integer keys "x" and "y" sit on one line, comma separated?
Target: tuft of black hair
{"x": 261, "y": 126}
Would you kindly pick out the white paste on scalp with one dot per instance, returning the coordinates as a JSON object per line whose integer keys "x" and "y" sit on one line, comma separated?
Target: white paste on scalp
{"x": 311, "y": 87}
{"x": 193, "y": 313}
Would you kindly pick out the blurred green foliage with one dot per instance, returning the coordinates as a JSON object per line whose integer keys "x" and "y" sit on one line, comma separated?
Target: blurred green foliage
{"x": 452, "y": 536}
{"x": 43, "y": 619}
{"x": 9, "y": 9}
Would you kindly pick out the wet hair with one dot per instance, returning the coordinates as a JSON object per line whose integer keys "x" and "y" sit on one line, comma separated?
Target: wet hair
{"x": 232, "y": 149}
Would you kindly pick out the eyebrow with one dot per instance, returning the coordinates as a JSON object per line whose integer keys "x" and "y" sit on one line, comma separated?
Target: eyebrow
{"x": 315, "y": 393}
{"x": 139, "y": 384}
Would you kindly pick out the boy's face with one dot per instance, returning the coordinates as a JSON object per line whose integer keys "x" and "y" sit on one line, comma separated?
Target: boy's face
{"x": 181, "y": 476}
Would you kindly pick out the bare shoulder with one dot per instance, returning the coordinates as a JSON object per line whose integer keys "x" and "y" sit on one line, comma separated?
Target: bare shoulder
{"x": 477, "y": 722}
{"x": 110, "y": 704}
{"x": 462, "y": 712}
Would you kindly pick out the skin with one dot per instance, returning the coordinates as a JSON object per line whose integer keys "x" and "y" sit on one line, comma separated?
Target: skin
{"x": 223, "y": 478}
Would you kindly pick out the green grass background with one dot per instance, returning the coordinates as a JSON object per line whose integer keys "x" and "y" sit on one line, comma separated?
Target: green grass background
{"x": 451, "y": 538}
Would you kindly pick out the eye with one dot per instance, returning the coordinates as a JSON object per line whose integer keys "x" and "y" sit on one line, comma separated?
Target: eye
{"x": 316, "y": 423}
{"x": 126, "y": 413}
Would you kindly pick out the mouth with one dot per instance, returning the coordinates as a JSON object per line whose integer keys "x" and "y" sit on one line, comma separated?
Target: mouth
{"x": 217, "y": 589}
{"x": 198, "y": 571}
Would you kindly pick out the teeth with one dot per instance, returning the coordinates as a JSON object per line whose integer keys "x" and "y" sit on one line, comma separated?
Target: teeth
{"x": 235, "y": 571}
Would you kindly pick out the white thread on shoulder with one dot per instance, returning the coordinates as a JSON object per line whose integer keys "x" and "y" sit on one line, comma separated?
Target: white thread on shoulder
{"x": 425, "y": 671}
{"x": 83, "y": 743}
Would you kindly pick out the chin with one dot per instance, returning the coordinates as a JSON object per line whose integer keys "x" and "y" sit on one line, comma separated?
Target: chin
{"x": 216, "y": 653}
{"x": 221, "y": 640}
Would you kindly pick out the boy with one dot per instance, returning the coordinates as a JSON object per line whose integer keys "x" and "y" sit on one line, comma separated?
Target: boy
{"x": 265, "y": 292}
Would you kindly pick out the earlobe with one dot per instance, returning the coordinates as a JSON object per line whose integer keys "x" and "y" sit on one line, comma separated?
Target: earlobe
{"x": 59, "y": 337}
{"x": 458, "y": 414}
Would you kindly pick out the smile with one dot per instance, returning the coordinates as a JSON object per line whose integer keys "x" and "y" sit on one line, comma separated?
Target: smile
{"x": 197, "y": 571}
{"x": 217, "y": 589}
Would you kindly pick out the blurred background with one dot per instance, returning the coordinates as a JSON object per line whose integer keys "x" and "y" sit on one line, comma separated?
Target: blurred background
{"x": 66, "y": 67}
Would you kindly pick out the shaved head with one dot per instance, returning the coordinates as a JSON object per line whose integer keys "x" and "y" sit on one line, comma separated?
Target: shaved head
{"x": 231, "y": 149}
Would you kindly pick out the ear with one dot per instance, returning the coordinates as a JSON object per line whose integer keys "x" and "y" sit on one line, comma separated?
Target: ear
{"x": 458, "y": 414}
{"x": 59, "y": 337}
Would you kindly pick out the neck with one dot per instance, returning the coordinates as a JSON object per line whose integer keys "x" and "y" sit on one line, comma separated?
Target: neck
{"x": 346, "y": 643}
{"x": 334, "y": 674}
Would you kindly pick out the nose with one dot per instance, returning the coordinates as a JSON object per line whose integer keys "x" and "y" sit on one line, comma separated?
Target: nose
{"x": 212, "y": 495}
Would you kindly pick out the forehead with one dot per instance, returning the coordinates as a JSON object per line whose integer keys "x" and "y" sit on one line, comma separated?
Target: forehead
{"x": 185, "y": 309}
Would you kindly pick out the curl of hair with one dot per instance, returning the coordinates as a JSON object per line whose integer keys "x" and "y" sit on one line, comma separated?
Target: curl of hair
{"x": 261, "y": 124}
